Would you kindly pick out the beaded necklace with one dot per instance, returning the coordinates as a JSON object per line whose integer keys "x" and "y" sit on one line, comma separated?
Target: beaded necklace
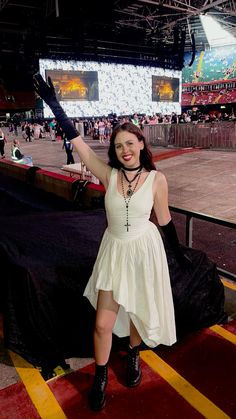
{"x": 129, "y": 190}
{"x": 129, "y": 193}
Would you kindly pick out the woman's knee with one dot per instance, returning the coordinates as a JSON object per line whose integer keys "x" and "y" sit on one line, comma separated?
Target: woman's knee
{"x": 103, "y": 327}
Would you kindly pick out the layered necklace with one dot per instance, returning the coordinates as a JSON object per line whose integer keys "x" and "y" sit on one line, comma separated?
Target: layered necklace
{"x": 131, "y": 189}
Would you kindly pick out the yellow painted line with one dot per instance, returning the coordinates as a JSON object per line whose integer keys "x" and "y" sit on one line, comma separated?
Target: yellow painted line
{"x": 199, "y": 66}
{"x": 196, "y": 399}
{"x": 226, "y": 334}
{"x": 200, "y": 61}
{"x": 38, "y": 391}
{"x": 193, "y": 100}
{"x": 217, "y": 99}
{"x": 228, "y": 284}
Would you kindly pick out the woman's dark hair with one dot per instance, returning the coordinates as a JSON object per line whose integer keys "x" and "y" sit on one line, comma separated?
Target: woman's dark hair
{"x": 145, "y": 154}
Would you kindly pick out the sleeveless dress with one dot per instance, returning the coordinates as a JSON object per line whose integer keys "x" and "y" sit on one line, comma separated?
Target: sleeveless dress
{"x": 133, "y": 265}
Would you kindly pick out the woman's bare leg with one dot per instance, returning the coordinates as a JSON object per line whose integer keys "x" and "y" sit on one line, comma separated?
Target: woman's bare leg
{"x": 135, "y": 338}
{"x": 107, "y": 310}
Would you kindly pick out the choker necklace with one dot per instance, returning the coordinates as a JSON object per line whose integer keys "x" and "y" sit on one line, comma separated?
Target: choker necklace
{"x": 129, "y": 193}
{"x": 129, "y": 169}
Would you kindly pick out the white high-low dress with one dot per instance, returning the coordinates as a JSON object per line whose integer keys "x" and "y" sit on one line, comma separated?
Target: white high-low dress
{"x": 133, "y": 265}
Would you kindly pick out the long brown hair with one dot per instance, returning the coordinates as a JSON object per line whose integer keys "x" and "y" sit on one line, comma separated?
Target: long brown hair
{"x": 145, "y": 154}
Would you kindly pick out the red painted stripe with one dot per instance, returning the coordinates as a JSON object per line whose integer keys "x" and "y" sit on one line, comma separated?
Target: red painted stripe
{"x": 208, "y": 362}
{"x": 172, "y": 153}
{"x": 16, "y": 404}
{"x": 152, "y": 399}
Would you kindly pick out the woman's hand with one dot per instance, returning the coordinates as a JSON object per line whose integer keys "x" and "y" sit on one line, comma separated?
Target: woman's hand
{"x": 171, "y": 236}
{"x": 45, "y": 90}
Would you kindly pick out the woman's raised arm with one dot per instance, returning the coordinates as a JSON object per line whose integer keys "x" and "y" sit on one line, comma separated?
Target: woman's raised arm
{"x": 96, "y": 165}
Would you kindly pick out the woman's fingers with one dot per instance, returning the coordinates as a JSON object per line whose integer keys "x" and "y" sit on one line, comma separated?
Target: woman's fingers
{"x": 44, "y": 89}
{"x": 50, "y": 83}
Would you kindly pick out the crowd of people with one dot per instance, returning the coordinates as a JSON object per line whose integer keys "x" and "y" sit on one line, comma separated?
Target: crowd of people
{"x": 100, "y": 128}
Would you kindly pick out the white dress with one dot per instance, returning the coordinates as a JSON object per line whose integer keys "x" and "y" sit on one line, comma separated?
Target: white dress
{"x": 133, "y": 265}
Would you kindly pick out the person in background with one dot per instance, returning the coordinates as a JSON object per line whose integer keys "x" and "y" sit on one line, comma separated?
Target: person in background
{"x": 46, "y": 129}
{"x": 37, "y": 131}
{"x": 28, "y": 132}
{"x": 15, "y": 125}
{"x": 135, "y": 120}
{"x": 130, "y": 284}
{"x": 58, "y": 132}
{"x": 101, "y": 130}
{"x": 2, "y": 143}
{"x": 69, "y": 150}
{"x": 52, "y": 126}
{"x": 17, "y": 156}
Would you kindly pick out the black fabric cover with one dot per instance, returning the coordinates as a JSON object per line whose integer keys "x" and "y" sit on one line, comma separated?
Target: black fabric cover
{"x": 47, "y": 260}
{"x": 18, "y": 198}
{"x": 198, "y": 293}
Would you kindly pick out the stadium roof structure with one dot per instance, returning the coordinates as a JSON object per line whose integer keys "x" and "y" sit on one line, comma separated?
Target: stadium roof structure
{"x": 147, "y": 32}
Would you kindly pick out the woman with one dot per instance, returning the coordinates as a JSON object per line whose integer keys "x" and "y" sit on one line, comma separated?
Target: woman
{"x": 130, "y": 284}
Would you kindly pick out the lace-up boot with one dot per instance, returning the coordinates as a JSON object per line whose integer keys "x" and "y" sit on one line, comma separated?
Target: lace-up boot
{"x": 134, "y": 373}
{"x": 97, "y": 396}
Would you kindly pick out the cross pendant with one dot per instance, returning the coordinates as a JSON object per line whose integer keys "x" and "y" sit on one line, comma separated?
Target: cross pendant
{"x": 127, "y": 225}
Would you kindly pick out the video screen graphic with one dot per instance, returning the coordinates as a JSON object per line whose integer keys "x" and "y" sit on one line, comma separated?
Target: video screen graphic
{"x": 75, "y": 85}
{"x": 165, "y": 89}
{"x": 106, "y": 88}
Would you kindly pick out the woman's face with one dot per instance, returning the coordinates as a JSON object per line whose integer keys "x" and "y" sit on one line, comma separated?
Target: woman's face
{"x": 127, "y": 148}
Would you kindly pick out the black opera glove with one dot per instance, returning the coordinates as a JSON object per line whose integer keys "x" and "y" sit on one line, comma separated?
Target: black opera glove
{"x": 170, "y": 234}
{"x": 47, "y": 92}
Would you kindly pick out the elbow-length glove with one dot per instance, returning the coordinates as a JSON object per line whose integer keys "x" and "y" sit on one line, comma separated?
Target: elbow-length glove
{"x": 170, "y": 234}
{"x": 47, "y": 92}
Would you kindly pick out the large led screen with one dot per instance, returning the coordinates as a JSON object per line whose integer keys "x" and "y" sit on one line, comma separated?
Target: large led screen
{"x": 165, "y": 89}
{"x": 75, "y": 85}
{"x": 105, "y": 88}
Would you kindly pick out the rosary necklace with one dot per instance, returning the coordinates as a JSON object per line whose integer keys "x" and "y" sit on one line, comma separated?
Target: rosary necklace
{"x": 129, "y": 193}
{"x": 129, "y": 190}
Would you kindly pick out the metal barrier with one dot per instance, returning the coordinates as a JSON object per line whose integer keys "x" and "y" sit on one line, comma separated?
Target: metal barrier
{"x": 220, "y": 135}
{"x": 190, "y": 215}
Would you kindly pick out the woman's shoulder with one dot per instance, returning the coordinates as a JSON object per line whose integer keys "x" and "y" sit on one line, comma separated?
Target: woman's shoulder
{"x": 113, "y": 172}
{"x": 160, "y": 179}
{"x": 159, "y": 175}
{"x": 110, "y": 174}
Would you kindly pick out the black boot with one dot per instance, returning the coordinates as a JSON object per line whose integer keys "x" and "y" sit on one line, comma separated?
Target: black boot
{"x": 97, "y": 396}
{"x": 134, "y": 373}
